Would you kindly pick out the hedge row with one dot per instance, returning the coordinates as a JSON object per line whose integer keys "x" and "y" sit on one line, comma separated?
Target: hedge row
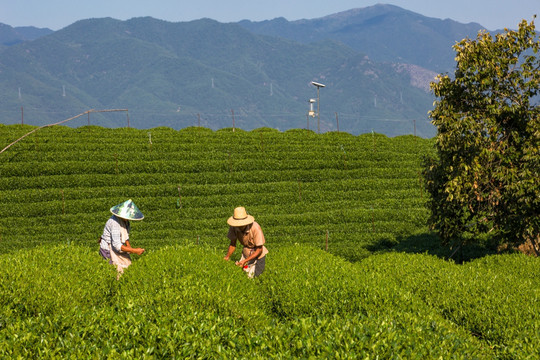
{"x": 186, "y": 302}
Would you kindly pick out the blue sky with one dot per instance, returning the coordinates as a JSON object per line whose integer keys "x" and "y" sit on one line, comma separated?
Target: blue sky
{"x": 56, "y": 14}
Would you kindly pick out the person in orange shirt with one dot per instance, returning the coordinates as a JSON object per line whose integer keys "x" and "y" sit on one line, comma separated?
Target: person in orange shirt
{"x": 244, "y": 228}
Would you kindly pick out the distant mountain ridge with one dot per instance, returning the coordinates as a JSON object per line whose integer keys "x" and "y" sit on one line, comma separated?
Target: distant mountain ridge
{"x": 208, "y": 73}
{"x": 383, "y": 32}
{"x": 15, "y": 35}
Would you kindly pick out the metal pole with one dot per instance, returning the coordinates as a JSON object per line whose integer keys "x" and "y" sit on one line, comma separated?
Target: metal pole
{"x": 318, "y": 112}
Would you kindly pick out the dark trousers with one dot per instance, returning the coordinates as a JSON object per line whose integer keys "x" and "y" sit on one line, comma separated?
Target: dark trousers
{"x": 259, "y": 266}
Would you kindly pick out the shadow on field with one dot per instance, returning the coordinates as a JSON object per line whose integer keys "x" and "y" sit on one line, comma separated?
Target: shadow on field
{"x": 429, "y": 243}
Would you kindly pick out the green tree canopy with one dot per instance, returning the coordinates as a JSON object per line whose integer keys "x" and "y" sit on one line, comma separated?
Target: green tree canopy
{"x": 484, "y": 181}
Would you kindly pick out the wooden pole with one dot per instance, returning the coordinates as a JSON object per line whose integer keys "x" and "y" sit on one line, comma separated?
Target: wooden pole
{"x": 22, "y": 116}
{"x": 127, "y": 114}
{"x": 337, "y": 122}
{"x": 420, "y": 184}
{"x": 179, "y": 198}
{"x": 372, "y": 220}
{"x": 232, "y": 112}
{"x": 326, "y": 240}
{"x": 63, "y": 203}
{"x": 199, "y": 120}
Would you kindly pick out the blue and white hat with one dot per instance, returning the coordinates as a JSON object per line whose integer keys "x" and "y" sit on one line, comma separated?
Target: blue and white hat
{"x": 127, "y": 210}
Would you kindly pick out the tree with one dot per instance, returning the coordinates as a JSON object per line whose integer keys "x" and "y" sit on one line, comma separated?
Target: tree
{"x": 484, "y": 179}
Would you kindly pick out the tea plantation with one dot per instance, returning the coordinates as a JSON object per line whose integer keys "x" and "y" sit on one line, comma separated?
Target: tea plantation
{"x": 352, "y": 270}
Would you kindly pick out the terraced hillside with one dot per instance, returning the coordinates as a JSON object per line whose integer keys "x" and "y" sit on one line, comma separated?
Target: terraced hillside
{"x": 58, "y": 184}
{"x": 320, "y": 199}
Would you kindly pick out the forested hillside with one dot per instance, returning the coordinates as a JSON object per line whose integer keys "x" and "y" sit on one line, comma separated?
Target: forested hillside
{"x": 10, "y": 36}
{"x": 383, "y": 32}
{"x": 376, "y": 63}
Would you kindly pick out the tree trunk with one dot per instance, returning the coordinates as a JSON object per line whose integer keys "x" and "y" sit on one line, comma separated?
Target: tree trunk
{"x": 535, "y": 246}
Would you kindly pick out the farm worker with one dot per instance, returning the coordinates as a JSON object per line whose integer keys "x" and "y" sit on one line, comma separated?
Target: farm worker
{"x": 244, "y": 228}
{"x": 114, "y": 243}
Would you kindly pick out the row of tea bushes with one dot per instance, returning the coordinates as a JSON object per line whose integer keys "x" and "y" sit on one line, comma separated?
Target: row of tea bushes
{"x": 187, "y": 302}
{"x": 58, "y": 184}
{"x": 496, "y": 298}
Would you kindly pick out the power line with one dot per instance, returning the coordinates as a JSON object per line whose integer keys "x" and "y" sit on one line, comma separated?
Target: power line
{"x": 61, "y": 122}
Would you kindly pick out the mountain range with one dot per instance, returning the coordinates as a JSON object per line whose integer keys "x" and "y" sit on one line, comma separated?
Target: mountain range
{"x": 15, "y": 35}
{"x": 376, "y": 64}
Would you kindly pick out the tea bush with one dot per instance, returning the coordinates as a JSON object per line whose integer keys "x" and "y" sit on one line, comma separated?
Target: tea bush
{"x": 185, "y": 301}
{"x": 358, "y": 196}
{"x": 57, "y": 185}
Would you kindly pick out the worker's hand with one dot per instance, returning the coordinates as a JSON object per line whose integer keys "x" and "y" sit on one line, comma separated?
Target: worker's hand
{"x": 139, "y": 251}
{"x": 240, "y": 263}
{"x": 226, "y": 258}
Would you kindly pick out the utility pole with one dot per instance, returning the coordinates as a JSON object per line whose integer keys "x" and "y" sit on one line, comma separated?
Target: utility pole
{"x": 318, "y": 85}
{"x": 232, "y": 112}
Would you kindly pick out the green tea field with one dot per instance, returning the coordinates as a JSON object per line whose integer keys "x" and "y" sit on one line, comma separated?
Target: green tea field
{"x": 352, "y": 271}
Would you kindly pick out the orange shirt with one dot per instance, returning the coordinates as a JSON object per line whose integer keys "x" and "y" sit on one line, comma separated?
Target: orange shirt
{"x": 250, "y": 239}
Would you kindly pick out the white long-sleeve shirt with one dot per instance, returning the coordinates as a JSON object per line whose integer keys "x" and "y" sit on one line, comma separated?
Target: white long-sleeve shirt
{"x": 112, "y": 233}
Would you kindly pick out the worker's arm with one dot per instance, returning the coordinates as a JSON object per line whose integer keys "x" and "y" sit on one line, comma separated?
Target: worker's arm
{"x": 255, "y": 254}
{"x": 127, "y": 248}
{"x": 230, "y": 251}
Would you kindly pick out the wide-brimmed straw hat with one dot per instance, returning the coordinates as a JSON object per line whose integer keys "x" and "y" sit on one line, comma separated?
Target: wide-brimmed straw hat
{"x": 127, "y": 210}
{"x": 240, "y": 217}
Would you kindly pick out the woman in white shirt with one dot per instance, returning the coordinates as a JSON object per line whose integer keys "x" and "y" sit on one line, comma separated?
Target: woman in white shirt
{"x": 114, "y": 242}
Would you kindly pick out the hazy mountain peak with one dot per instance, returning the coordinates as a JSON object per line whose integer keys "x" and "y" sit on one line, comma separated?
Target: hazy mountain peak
{"x": 376, "y": 62}
{"x": 383, "y": 32}
{"x": 14, "y": 35}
